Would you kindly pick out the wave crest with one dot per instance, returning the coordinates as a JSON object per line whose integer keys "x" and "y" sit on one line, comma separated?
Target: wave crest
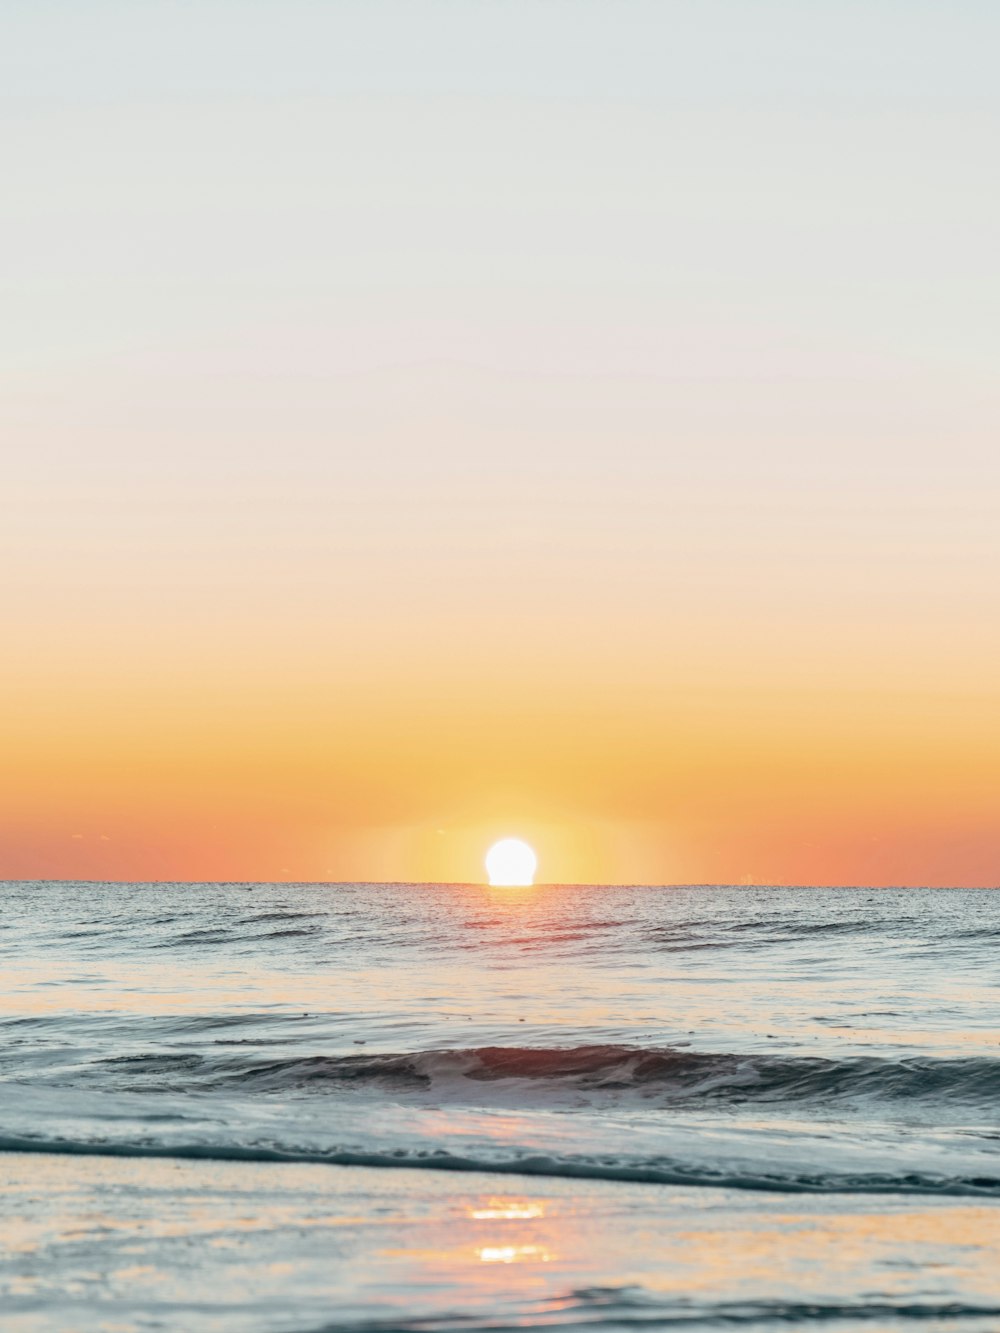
{"x": 669, "y": 1073}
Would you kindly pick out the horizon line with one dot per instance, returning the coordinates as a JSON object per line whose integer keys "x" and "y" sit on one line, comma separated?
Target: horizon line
{"x": 544, "y": 884}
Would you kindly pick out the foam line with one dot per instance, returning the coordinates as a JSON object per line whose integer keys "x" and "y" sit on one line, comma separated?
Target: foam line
{"x": 658, "y": 1172}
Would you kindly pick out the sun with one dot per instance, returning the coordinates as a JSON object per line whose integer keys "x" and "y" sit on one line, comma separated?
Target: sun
{"x": 511, "y": 862}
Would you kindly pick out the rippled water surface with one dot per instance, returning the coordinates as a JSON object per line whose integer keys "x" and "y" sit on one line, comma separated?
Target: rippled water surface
{"x": 806, "y": 1043}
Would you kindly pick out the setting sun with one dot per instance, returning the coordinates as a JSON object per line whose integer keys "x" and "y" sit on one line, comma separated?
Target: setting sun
{"x": 511, "y": 863}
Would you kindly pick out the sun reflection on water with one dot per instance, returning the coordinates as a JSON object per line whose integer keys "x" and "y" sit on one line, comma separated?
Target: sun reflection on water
{"x": 509, "y": 1254}
{"x": 508, "y": 1209}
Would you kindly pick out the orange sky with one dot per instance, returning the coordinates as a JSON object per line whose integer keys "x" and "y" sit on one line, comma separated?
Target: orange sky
{"x": 586, "y": 438}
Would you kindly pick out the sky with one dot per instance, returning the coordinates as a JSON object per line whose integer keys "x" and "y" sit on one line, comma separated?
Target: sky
{"x": 425, "y": 421}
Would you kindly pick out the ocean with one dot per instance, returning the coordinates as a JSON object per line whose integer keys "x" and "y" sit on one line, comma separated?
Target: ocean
{"x": 304, "y": 1107}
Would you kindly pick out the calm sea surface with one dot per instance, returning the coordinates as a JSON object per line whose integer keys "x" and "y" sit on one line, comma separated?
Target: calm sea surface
{"x": 615, "y": 1088}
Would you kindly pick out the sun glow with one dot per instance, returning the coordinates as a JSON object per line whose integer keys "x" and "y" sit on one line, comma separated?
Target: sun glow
{"x": 508, "y": 1210}
{"x": 511, "y": 863}
{"x": 510, "y": 1254}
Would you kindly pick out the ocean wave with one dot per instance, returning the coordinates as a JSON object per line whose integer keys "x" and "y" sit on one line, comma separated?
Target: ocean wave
{"x": 626, "y": 1307}
{"x": 291, "y": 932}
{"x": 745, "y": 1314}
{"x": 651, "y": 1170}
{"x": 670, "y": 1074}
{"x": 286, "y": 914}
{"x": 206, "y": 935}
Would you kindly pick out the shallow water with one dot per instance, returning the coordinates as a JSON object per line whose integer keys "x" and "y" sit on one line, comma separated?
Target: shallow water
{"x": 789, "y": 1044}
{"x": 218, "y": 1247}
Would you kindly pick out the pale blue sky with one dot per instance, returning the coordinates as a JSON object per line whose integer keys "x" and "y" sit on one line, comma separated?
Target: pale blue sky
{"x": 624, "y": 269}
{"x": 795, "y": 201}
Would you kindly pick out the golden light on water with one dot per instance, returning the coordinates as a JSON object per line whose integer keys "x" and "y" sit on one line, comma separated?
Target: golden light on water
{"x": 508, "y": 1210}
{"x": 512, "y": 1254}
{"x": 511, "y": 863}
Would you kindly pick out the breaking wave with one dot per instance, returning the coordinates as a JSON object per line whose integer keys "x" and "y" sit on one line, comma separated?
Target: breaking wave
{"x": 652, "y": 1170}
{"x": 671, "y": 1074}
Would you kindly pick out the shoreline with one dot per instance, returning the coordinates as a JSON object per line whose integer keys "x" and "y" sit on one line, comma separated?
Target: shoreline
{"x": 94, "y": 1242}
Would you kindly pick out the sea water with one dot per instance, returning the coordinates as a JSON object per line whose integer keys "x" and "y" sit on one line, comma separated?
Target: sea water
{"x": 305, "y": 1106}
